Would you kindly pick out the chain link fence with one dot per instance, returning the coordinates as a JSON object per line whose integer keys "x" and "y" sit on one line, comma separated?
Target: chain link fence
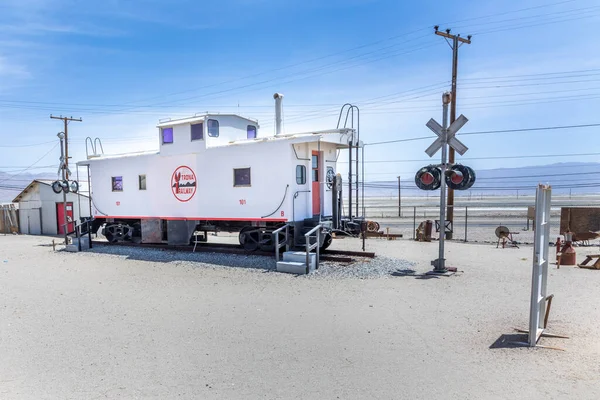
{"x": 475, "y": 221}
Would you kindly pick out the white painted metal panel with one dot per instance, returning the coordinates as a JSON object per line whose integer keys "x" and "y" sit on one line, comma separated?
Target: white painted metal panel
{"x": 271, "y": 193}
{"x": 540, "y": 263}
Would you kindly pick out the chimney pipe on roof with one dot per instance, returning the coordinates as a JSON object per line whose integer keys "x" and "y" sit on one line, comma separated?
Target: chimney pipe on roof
{"x": 278, "y": 112}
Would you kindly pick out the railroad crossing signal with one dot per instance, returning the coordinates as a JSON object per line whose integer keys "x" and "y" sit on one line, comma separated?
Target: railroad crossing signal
{"x": 450, "y": 136}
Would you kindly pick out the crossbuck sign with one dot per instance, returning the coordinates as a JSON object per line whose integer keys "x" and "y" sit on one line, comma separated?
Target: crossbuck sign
{"x": 450, "y": 136}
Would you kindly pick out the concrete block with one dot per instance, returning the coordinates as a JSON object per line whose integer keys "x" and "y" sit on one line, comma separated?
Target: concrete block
{"x": 291, "y": 267}
{"x": 300, "y": 257}
{"x": 72, "y": 248}
{"x": 85, "y": 242}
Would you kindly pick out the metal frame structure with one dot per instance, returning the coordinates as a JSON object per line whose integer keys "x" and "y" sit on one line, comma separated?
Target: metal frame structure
{"x": 540, "y": 301}
{"x": 350, "y": 108}
{"x": 539, "y": 280}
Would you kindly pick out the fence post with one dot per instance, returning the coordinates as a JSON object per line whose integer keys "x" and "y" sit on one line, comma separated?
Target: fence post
{"x": 414, "y": 221}
{"x": 466, "y": 222}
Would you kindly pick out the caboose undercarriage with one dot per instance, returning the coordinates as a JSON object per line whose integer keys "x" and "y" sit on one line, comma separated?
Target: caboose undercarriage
{"x": 252, "y": 235}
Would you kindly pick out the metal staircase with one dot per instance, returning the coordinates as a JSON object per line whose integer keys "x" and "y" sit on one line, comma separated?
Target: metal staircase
{"x": 299, "y": 262}
{"x": 81, "y": 235}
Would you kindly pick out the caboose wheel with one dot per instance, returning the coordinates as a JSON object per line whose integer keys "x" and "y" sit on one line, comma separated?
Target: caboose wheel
{"x": 117, "y": 232}
{"x": 249, "y": 238}
{"x": 267, "y": 242}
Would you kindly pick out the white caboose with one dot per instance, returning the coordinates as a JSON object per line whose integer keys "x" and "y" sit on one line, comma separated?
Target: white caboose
{"x": 215, "y": 172}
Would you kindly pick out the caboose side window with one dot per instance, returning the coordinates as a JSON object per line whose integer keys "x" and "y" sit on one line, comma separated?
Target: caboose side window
{"x": 142, "y": 182}
{"x": 117, "y": 183}
{"x": 251, "y": 132}
{"x": 197, "y": 131}
{"x": 241, "y": 177}
{"x": 167, "y": 135}
{"x": 300, "y": 174}
{"x": 213, "y": 127}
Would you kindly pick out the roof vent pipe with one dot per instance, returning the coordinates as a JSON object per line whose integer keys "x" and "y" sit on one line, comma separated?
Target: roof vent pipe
{"x": 278, "y": 112}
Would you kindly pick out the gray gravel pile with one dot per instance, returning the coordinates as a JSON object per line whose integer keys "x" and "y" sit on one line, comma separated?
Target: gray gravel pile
{"x": 200, "y": 259}
{"x": 363, "y": 268}
{"x": 368, "y": 268}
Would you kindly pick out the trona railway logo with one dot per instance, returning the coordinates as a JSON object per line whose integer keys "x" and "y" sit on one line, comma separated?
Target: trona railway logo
{"x": 183, "y": 183}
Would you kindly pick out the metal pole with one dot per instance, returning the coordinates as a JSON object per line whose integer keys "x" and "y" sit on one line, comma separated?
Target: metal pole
{"x": 358, "y": 176}
{"x": 439, "y": 264}
{"x": 62, "y": 159}
{"x": 66, "y": 174}
{"x": 363, "y": 182}
{"x": 414, "y": 221}
{"x": 399, "y": 199}
{"x": 350, "y": 177}
{"x": 78, "y": 196}
{"x": 89, "y": 190}
{"x": 466, "y": 222}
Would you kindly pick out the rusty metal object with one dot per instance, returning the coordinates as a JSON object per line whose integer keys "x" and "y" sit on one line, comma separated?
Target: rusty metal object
{"x": 579, "y": 219}
{"x": 585, "y": 237}
{"x": 505, "y": 236}
{"x": 568, "y": 255}
{"x": 384, "y": 235}
{"x": 588, "y": 258}
{"x": 373, "y": 226}
{"x": 549, "y": 301}
{"x": 423, "y": 233}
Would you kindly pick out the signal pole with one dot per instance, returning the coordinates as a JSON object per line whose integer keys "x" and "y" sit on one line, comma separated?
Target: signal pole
{"x": 457, "y": 41}
{"x": 66, "y": 121}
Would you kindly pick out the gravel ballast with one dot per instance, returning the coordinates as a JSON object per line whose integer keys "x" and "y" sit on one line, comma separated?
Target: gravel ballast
{"x": 362, "y": 268}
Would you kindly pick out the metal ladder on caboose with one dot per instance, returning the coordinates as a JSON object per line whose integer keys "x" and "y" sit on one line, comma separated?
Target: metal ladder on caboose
{"x": 356, "y": 186}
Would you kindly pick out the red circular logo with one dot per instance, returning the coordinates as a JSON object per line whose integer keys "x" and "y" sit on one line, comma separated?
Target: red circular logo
{"x": 183, "y": 183}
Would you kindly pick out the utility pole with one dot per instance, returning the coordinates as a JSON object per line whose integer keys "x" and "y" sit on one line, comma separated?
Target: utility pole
{"x": 399, "y": 199}
{"x": 457, "y": 41}
{"x": 66, "y": 121}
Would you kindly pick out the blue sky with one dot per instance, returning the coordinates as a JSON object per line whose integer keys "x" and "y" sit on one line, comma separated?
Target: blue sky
{"x": 122, "y": 65}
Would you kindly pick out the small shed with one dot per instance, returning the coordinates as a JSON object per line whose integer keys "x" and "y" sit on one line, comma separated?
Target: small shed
{"x": 41, "y": 211}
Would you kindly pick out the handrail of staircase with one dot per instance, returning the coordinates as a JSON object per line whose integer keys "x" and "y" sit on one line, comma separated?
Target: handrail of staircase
{"x": 310, "y": 246}
{"x": 278, "y": 246}
{"x": 77, "y": 230}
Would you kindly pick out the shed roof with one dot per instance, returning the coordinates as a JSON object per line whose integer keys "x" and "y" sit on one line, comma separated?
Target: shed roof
{"x": 33, "y": 183}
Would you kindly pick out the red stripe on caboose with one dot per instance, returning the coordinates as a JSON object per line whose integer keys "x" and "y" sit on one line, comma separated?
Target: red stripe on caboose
{"x": 195, "y": 218}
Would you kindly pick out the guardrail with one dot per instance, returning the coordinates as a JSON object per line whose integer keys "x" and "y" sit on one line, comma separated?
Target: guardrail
{"x": 77, "y": 230}
{"x": 312, "y": 246}
{"x": 278, "y": 245}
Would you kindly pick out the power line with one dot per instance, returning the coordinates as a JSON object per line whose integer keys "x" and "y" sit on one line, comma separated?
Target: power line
{"x": 523, "y": 26}
{"x": 508, "y": 12}
{"x": 554, "y": 166}
{"x": 555, "y": 14}
{"x": 29, "y": 167}
{"x": 468, "y": 81}
{"x": 491, "y": 132}
{"x": 25, "y": 145}
{"x": 514, "y": 176}
{"x": 487, "y": 158}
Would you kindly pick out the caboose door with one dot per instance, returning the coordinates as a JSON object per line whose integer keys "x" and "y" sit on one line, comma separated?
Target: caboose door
{"x": 316, "y": 186}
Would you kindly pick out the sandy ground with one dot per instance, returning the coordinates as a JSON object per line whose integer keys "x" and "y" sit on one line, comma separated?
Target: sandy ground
{"x": 98, "y": 326}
